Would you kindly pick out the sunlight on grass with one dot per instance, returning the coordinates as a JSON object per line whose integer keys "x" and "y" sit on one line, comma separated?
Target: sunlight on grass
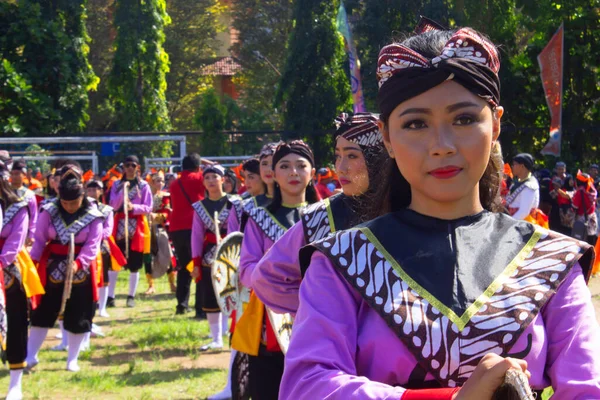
{"x": 148, "y": 353}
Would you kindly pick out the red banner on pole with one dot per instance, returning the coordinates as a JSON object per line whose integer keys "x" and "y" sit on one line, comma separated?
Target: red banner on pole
{"x": 551, "y": 65}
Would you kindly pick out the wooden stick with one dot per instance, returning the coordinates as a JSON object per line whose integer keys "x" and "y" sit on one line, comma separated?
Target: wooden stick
{"x": 68, "y": 275}
{"x": 126, "y": 211}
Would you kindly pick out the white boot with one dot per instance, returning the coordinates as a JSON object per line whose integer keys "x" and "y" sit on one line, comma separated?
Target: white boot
{"x": 216, "y": 326}
{"x": 102, "y": 299}
{"x": 112, "y": 283}
{"x": 37, "y": 336}
{"x": 62, "y": 346}
{"x": 225, "y": 393}
{"x": 14, "y": 390}
{"x": 75, "y": 342}
{"x": 134, "y": 280}
{"x": 85, "y": 345}
{"x": 225, "y": 325}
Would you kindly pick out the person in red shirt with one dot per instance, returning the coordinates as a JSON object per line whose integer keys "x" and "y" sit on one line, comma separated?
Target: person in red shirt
{"x": 185, "y": 191}
{"x": 584, "y": 204}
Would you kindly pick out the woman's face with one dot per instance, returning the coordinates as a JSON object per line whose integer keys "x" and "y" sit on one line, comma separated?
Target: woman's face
{"x": 227, "y": 185}
{"x": 71, "y": 206}
{"x": 266, "y": 171}
{"x": 158, "y": 184}
{"x": 253, "y": 183}
{"x": 293, "y": 173}
{"x": 441, "y": 141}
{"x": 93, "y": 192}
{"x": 213, "y": 181}
{"x": 351, "y": 167}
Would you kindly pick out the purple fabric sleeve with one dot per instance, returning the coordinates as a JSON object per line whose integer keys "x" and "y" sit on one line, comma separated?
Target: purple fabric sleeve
{"x": 116, "y": 195}
{"x": 254, "y": 246}
{"x": 197, "y": 237}
{"x": 233, "y": 223}
{"x": 108, "y": 225}
{"x": 321, "y": 360}
{"x": 91, "y": 247}
{"x": 14, "y": 234}
{"x": 276, "y": 279}
{"x": 1, "y": 219}
{"x": 42, "y": 236}
{"x": 573, "y": 362}
{"x": 33, "y": 215}
{"x": 143, "y": 204}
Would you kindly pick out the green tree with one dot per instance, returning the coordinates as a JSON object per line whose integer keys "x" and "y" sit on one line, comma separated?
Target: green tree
{"x": 263, "y": 28}
{"x": 211, "y": 117}
{"x": 137, "y": 83}
{"x": 46, "y": 44}
{"x": 314, "y": 86}
{"x": 191, "y": 44}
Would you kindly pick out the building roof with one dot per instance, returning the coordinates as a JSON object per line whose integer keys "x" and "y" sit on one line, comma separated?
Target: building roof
{"x": 225, "y": 66}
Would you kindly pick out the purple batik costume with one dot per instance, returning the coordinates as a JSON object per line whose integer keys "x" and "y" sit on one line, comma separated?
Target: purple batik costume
{"x": 15, "y": 227}
{"x": 409, "y": 301}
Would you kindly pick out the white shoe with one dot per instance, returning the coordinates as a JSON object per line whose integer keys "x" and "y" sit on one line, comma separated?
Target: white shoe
{"x": 14, "y": 394}
{"x": 103, "y": 314}
{"x": 73, "y": 367}
{"x": 97, "y": 331}
{"x": 60, "y": 347}
{"x": 223, "y": 395}
{"x": 31, "y": 365}
{"x": 58, "y": 335}
{"x": 212, "y": 346}
{"x": 85, "y": 346}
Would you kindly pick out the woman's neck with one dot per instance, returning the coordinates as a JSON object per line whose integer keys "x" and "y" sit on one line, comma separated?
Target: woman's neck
{"x": 287, "y": 198}
{"x": 129, "y": 178}
{"x": 270, "y": 190}
{"x": 459, "y": 208}
{"x": 216, "y": 195}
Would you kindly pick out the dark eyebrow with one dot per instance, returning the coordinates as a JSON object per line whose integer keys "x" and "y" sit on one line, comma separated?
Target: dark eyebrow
{"x": 357, "y": 148}
{"x": 458, "y": 106}
{"x": 416, "y": 111}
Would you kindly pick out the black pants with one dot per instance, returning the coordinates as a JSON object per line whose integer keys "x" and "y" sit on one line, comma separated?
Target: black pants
{"x": 182, "y": 242}
{"x": 266, "y": 371}
{"x": 79, "y": 311}
{"x": 106, "y": 266}
{"x": 209, "y": 300}
{"x": 135, "y": 260}
{"x": 17, "y": 323}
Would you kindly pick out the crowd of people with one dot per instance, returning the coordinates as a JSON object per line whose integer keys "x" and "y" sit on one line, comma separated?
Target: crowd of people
{"x": 420, "y": 267}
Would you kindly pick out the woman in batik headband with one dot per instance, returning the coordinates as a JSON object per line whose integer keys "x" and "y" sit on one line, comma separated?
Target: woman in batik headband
{"x": 70, "y": 214}
{"x": 441, "y": 296}
{"x": 358, "y": 148}
{"x": 293, "y": 172}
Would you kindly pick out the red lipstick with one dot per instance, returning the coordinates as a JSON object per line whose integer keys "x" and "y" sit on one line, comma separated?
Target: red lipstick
{"x": 294, "y": 182}
{"x": 447, "y": 172}
{"x": 345, "y": 181}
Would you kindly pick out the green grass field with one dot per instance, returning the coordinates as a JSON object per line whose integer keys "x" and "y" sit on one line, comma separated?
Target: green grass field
{"x": 148, "y": 353}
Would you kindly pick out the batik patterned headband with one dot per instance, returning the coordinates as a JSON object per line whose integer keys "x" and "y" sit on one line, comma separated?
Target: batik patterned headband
{"x": 360, "y": 128}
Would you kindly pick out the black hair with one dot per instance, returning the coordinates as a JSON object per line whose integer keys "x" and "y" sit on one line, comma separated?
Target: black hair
{"x": 191, "y": 162}
{"x": 7, "y": 196}
{"x": 393, "y": 190}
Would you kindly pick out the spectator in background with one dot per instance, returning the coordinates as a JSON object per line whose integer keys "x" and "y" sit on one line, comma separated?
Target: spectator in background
{"x": 584, "y": 204}
{"x": 18, "y": 175}
{"x": 185, "y": 191}
{"x": 561, "y": 214}
{"x": 524, "y": 196}
{"x": 324, "y": 182}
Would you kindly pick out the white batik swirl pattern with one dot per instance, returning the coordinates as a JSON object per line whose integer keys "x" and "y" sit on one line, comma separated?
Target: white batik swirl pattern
{"x": 64, "y": 231}
{"x": 267, "y": 223}
{"x": 315, "y": 221}
{"x": 11, "y": 211}
{"x": 447, "y": 352}
{"x": 207, "y": 220}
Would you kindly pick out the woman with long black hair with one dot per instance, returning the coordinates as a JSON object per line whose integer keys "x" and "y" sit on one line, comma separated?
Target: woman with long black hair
{"x": 440, "y": 295}
{"x": 70, "y": 214}
{"x": 293, "y": 171}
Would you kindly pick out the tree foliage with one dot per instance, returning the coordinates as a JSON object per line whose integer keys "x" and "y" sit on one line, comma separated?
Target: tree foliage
{"x": 263, "y": 28}
{"x": 191, "y": 42}
{"x": 137, "y": 83}
{"x": 46, "y": 75}
{"x": 314, "y": 86}
{"x": 212, "y": 118}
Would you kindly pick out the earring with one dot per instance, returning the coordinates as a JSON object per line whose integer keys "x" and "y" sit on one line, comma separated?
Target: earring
{"x": 391, "y": 153}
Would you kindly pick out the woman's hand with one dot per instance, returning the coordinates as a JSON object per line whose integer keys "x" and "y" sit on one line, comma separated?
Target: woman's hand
{"x": 488, "y": 376}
